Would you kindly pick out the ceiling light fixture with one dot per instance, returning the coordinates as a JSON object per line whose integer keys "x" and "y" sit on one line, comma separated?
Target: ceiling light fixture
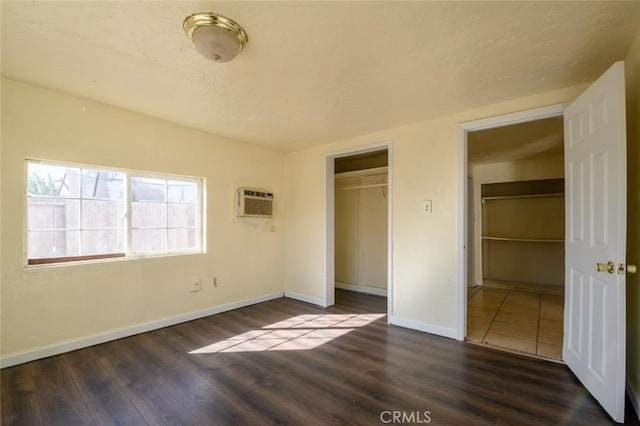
{"x": 216, "y": 37}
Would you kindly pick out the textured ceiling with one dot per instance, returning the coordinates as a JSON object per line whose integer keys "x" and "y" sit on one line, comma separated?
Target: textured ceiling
{"x": 533, "y": 139}
{"x": 313, "y": 72}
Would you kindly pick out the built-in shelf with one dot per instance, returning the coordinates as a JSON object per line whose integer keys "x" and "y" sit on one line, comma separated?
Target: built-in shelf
{"x": 527, "y": 187}
{"x": 525, "y": 240}
{"x": 523, "y": 228}
{"x": 504, "y": 197}
{"x": 377, "y": 185}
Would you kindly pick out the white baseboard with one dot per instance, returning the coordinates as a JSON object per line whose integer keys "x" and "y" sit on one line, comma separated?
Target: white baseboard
{"x": 420, "y": 326}
{"x": 71, "y": 345}
{"x": 634, "y": 397}
{"x": 304, "y": 298}
{"x": 362, "y": 289}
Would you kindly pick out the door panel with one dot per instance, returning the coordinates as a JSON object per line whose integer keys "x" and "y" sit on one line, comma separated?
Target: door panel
{"x": 595, "y": 158}
{"x": 347, "y": 237}
{"x": 374, "y": 236}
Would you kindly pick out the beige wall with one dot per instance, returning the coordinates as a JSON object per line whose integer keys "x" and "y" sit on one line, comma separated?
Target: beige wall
{"x": 538, "y": 168}
{"x": 49, "y": 305}
{"x": 424, "y": 166}
{"x": 633, "y": 218}
{"x": 304, "y": 247}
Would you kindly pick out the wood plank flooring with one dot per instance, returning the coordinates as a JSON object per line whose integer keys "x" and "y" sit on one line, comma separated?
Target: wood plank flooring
{"x": 287, "y": 362}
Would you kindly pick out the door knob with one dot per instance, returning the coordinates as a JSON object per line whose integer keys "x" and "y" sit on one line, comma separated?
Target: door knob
{"x": 622, "y": 268}
{"x": 610, "y": 267}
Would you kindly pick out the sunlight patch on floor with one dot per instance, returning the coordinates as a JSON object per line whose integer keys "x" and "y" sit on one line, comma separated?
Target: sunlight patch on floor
{"x": 302, "y": 332}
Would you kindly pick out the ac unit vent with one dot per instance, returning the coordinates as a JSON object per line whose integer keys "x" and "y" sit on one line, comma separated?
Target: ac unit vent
{"x": 254, "y": 203}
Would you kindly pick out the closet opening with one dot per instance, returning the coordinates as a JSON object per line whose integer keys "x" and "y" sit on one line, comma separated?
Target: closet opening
{"x": 515, "y": 294}
{"x": 361, "y": 223}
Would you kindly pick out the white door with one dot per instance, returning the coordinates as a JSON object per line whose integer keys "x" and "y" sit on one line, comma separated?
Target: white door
{"x": 596, "y": 190}
{"x": 374, "y": 237}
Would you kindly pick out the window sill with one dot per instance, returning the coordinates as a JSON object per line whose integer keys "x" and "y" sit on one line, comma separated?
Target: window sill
{"x": 120, "y": 257}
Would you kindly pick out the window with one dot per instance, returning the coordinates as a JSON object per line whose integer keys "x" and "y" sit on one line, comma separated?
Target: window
{"x": 80, "y": 213}
{"x": 164, "y": 214}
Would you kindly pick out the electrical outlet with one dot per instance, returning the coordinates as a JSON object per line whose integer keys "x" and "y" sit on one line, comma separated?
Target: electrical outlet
{"x": 427, "y": 206}
{"x": 194, "y": 286}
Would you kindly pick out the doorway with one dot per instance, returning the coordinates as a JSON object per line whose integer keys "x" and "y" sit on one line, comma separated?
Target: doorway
{"x": 361, "y": 222}
{"x": 359, "y": 183}
{"x": 595, "y": 217}
{"x": 515, "y": 235}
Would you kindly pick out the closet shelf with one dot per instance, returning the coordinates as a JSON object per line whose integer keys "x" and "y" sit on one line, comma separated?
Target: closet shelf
{"x": 504, "y": 197}
{"x": 525, "y": 240}
{"x": 374, "y": 185}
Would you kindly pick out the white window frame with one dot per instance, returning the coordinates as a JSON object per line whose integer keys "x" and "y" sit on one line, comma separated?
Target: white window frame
{"x": 129, "y": 253}
{"x": 199, "y": 214}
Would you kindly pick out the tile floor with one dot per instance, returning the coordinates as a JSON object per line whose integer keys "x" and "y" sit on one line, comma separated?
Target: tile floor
{"x": 523, "y": 321}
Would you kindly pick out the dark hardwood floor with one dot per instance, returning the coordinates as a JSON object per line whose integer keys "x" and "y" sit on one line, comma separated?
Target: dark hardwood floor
{"x": 287, "y": 362}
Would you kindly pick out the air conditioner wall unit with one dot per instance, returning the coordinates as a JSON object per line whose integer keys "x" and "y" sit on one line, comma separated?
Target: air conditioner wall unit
{"x": 252, "y": 202}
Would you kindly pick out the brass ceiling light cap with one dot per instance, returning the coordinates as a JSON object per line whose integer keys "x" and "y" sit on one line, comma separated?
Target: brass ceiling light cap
{"x": 216, "y": 37}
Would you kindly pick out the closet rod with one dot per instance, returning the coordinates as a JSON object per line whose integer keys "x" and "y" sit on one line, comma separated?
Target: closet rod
{"x": 377, "y": 185}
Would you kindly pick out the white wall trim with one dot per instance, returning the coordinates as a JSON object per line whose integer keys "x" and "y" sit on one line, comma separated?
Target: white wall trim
{"x": 515, "y": 117}
{"x": 329, "y": 219}
{"x": 390, "y": 229}
{"x": 463, "y": 129}
{"x": 362, "y": 289}
{"x": 73, "y": 344}
{"x": 304, "y": 298}
{"x": 461, "y": 329}
{"x": 424, "y": 327}
{"x": 634, "y": 397}
{"x": 329, "y": 295}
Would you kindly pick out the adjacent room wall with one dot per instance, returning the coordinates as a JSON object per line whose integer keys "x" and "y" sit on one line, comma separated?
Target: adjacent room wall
{"x": 44, "y": 306}
{"x": 632, "y": 63}
{"x": 425, "y": 258}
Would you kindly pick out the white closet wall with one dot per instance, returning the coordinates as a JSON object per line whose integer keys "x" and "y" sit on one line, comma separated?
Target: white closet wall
{"x": 361, "y": 216}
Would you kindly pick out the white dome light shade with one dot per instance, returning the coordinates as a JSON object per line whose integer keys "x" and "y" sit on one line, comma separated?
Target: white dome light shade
{"x": 215, "y": 44}
{"x": 216, "y": 37}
